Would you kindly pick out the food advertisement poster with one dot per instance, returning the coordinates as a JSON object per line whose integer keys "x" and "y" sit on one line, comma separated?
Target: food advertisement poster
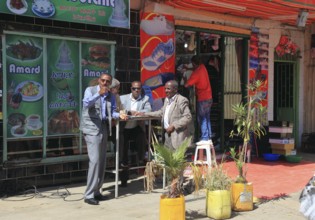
{"x": 114, "y": 13}
{"x": 157, "y": 53}
{"x": 95, "y": 59}
{"x": 45, "y": 81}
{"x": 63, "y": 86}
{"x": 24, "y": 67}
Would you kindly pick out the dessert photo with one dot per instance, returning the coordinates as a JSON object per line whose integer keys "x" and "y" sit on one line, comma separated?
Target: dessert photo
{"x": 43, "y": 8}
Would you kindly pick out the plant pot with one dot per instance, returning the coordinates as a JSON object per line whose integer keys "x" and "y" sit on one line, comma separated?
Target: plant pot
{"x": 218, "y": 204}
{"x": 242, "y": 196}
{"x": 172, "y": 208}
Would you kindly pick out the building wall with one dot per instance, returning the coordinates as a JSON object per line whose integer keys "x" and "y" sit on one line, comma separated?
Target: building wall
{"x": 127, "y": 65}
{"x": 308, "y": 112}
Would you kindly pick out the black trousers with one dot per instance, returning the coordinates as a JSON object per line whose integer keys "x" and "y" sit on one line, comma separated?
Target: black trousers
{"x": 138, "y": 136}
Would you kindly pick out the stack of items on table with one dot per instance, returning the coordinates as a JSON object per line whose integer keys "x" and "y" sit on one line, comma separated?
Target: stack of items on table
{"x": 280, "y": 137}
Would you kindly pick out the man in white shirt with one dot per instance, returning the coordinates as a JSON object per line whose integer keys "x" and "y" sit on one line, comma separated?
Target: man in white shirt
{"x": 175, "y": 116}
{"x": 134, "y": 130}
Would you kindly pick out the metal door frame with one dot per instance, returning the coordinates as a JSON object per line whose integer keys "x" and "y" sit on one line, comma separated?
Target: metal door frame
{"x": 294, "y": 60}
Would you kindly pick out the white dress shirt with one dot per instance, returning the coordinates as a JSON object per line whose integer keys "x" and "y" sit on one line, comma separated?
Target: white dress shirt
{"x": 167, "y": 109}
{"x": 133, "y": 107}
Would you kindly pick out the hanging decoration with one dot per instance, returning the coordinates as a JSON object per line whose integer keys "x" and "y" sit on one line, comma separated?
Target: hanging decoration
{"x": 258, "y": 63}
{"x": 286, "y": 46}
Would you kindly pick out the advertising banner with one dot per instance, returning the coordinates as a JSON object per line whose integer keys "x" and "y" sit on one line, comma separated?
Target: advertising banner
{"x": 258, "y": 63}
{"x": 24, "y": 68}
{"x": 45, "y": 81}
{"x": 95, "y": 59}
{"x": 63, "y": 86}
{"x": 157, "y": 53}
{"x": 114, "y": 13}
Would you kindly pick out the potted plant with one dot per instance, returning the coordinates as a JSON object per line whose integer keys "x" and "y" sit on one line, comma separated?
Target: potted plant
{"x": 218, "y": 192}
{"x": 172, "y": 203}
{"x": 217, "y": 184}
{"x": 248, "y": 117}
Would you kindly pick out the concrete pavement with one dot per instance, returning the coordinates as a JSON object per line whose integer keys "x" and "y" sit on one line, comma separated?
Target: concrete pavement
{"x": 133, "y": 203}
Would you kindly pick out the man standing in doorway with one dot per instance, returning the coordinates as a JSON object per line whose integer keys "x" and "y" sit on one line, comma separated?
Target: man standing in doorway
{"x": 97, "y": 113}
{"x": 200, "y": 79}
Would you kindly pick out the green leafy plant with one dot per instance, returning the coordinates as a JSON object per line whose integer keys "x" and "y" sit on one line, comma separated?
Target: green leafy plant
{"x": 174, "y": 163}
{"x": 211, "y": 178}
{"x": 248, "y": 121}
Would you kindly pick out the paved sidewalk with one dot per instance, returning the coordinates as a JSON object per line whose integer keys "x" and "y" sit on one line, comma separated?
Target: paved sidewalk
{"x": 133, "y": 203}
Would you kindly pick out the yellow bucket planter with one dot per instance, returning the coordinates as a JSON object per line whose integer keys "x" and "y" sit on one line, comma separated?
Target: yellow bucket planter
{"x": 172, "y": 208}
{"x": 218, "y": 204}
{"x": 242, "y": 196}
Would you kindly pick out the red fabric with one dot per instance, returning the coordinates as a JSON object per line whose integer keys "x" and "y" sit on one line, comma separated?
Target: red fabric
{"x": 200, "y": 79}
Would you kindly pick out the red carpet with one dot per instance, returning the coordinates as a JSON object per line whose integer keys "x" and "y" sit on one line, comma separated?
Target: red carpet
{"x": 275, "y": 179}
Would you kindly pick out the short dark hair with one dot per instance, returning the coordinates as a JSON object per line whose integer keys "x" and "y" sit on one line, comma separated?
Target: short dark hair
{"x": 107, "y": 74}
{"x": 196, "y": 60}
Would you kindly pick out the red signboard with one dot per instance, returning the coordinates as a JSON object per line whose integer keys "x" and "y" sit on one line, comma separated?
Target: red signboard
{"x": 157, "y": 52}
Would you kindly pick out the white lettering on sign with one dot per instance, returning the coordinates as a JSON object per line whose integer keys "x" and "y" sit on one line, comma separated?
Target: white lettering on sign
{"x": 107, "y": 3}
{"x": 91, "y": 73}
{"x": 24, "y": 69}
{"x": 61, "y": 75}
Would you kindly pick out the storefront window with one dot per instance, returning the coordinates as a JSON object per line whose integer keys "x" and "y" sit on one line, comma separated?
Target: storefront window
{"x": 45, "y": 80}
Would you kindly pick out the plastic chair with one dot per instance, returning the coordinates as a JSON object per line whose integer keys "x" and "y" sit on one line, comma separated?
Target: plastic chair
{"x": 208, "y": 154}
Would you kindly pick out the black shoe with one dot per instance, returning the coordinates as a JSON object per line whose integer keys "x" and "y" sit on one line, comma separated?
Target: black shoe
{"x": 123, "y": 184}
{"x": 91, "y": 201}
{"x": 101, "y": 198}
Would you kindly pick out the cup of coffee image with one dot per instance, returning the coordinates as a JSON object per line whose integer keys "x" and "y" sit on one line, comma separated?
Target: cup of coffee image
{"x": 60, "y": 83}
{"x": 33, "y": 121}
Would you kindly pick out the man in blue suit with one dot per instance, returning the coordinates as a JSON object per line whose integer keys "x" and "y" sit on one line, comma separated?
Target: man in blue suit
{"x": 133, "y": 130}
{"x": 99, "y": 107}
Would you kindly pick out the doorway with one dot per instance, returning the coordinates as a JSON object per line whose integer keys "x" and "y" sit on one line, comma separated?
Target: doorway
{"x": 285, "y": 93}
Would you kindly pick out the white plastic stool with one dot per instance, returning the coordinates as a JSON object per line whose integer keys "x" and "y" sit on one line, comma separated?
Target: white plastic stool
{"x": 208, "y": 154}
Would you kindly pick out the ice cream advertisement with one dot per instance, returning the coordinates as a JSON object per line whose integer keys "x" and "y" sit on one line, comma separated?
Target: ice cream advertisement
{"x": 115, "y": 13}
{"x": 63, "y": 85}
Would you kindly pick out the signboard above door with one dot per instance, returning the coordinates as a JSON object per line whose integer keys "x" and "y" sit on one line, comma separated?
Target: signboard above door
{"x": 114, "y": 13}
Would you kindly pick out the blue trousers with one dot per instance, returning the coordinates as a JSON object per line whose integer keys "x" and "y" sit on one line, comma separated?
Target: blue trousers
{"x": 203, "y": 117}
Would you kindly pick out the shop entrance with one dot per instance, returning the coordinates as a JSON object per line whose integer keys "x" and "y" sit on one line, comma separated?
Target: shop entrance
{"x": 225, "y": 61}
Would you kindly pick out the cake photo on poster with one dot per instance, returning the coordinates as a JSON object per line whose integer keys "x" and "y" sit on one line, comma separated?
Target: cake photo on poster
{"x": 43, "y": 8}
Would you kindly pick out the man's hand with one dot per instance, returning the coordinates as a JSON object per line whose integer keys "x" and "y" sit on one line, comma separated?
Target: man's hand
{"x": 139, "y": 114}
{"x": 103, "y": 90}
{"x": 123, "y": 115}
{"x": 170, "y": 129}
